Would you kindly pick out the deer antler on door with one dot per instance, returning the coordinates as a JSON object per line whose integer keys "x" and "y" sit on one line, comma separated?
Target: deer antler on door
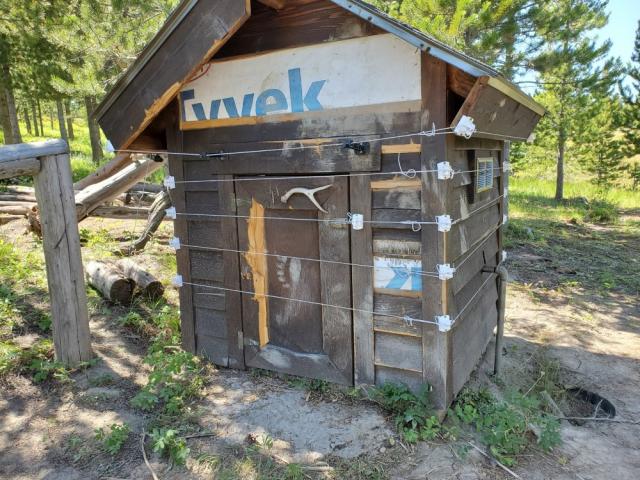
{"x": 307, "y": 192}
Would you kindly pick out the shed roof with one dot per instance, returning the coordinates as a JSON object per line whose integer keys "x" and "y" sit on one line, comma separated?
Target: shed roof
{"x": 132, "y": 92}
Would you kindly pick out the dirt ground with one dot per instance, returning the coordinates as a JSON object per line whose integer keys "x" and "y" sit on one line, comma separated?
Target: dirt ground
{"x": 46, "y": 431}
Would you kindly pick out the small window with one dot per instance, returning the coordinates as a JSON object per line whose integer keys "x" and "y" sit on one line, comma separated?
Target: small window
{"x": 484, "y": 174}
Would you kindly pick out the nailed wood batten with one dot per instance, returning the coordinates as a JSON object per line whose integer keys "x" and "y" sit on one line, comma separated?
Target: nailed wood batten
{"x": 436, "y": 345}
{"x": 61, "y": 242}
{"x": 362, "y": 284}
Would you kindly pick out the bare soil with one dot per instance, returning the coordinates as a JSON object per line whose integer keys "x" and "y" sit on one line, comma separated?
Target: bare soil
{"x": 47, "y": 431}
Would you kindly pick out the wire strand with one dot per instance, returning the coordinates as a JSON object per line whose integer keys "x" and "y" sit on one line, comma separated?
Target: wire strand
{"x": 335, "y": 262}
{"x": 464, "y": 309}
{"x": 405, "y": 318}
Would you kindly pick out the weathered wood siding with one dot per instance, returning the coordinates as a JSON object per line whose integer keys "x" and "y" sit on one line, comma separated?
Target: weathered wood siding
{"x": 473, "y": 243}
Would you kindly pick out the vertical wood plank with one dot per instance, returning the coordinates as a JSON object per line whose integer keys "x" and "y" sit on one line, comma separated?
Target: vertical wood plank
{"x": 336, "y": 282}
{"x": 233, "y": 300}
{"x": 61, "y": 241}
{"x": 178, "y": 198}
{"x": 362, "y": 281}
{"x": 504, "y": 203}
{"x": 435, "y": 201}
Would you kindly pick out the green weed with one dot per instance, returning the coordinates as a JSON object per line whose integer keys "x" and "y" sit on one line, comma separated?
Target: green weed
{"x": 413, "y": 413}
{"x": 167, "y": 442}
{"x": 503, "y": 425}
{"x": 113, "y": 439}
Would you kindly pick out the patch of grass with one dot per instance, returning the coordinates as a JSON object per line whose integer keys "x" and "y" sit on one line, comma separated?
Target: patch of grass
{"x": 112, "y": 440}
{"x": 413, "y": 414}
{"x": 504, "y": 426}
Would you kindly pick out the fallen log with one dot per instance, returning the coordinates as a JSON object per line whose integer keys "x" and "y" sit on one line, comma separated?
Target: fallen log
{"x": 156, "y": 215}
{"x": 146, "y": 188}
{"x": 17, "y": 197}
{"x": 19, "y": 189}
{"x": 93, "y": 196}
{"x": 110, "y": 282}
{"x": 4, "y": 219}
{"x": 119, "y": 212}
{"x": 146, "y": 284}
{"x": 16, "y": 210}
{"x": 107, "y": 170}
{"x": 16, "y": 203}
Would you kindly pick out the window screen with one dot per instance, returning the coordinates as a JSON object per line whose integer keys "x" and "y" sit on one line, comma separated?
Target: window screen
{"x": 484, "y": 174}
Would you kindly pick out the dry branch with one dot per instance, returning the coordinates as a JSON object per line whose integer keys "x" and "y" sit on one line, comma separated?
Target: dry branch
{"x": 156, "y": 215}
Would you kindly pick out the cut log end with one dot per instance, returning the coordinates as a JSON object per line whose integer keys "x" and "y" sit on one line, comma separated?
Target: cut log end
{"x": 110, "y": 282}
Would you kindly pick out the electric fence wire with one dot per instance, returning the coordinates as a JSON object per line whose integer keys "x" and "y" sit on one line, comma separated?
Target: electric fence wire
{"x": 404, "y": 318}
{"x": 318, "y": 260}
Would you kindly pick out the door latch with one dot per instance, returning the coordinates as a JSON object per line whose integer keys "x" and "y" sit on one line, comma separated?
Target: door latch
{"x": 360, "y": 148}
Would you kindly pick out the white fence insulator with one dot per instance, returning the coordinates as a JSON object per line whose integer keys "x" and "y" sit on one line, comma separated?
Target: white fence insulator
{"x": 445, "y": 172}
{"x": 176, "y": 281}
{"x": 357, "y": 221}
{"x": 466, "y": 127}
{"x": 170, "y": 182}
{"x": 171, "y": 212}
{"x": 444, "y": 323}
{"x": 175, "y": 243}
{"x": 444, "y": 223}
{"x": 445, "y": 271}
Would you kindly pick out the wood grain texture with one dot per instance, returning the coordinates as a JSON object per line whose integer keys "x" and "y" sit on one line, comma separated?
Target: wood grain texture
{"x": 32, "y": 150}
{"x": 65, "y": 276}
{"x": 200, "y": 34}
{"x": 435, "y": 201}
{"x": 110, "y": 281}
{"x": 496, "y": 114}
{"x": 362, "y": 284}
{"x": 177, "y": 169}
{"x": 398, "y": 351}
{"x": 231, "y": 262}
{"x": 296, "y": 24}
{"x": 15, "y": 168}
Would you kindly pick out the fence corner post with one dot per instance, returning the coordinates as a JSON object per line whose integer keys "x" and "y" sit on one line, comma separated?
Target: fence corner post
{"x": 61, "y": 242}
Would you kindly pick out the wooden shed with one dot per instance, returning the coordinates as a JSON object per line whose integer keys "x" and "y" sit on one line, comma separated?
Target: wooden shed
{"x": 315, "y": 163}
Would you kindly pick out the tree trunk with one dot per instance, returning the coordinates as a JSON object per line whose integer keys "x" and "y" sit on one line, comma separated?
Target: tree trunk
{"x": 34, "y": 114}
{"x": 5, "y": 120}
{"x": 40, "y": 118}
{"x": 94, "y": 130}
{"x": 61, "y": 123}
{"x": 110, "y": 282}
{"x": 51, "y": 116}
{"x": 27, "y": 120}
{"x": 562, "y": 140}
{"x": 6, "y": 89}
{"x": 67, "y": 107}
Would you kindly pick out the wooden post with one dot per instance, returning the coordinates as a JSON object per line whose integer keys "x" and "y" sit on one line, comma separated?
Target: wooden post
{"x": 61, "y": 242}
{"x": 436, "y": 193}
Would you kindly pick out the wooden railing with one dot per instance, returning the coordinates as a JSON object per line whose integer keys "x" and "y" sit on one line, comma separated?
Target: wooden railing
{"x": 48, "y": 163}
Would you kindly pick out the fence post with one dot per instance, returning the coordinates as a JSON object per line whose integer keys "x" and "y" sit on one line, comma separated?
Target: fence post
{"x": 61, "y": 242}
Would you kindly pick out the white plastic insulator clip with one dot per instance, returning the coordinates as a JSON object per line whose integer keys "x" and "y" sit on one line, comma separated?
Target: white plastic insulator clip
{"x": 444, "y": 223}
{"x": 531, "y": 138}
{"x": 445, "y": 271}
{"x": 176, "y": 281}
{"x": 465, "y": 127}
{"x": 445, "y": 172}
{"x": 506, "y": 166}
{"x": 505, "y": 219}
{"x": 171, "y": 212}
{"x": 408, "y": 321}
{"x": 504, "y": 256}
{"x": 357, "y": 221}
{"x": 175, "y": 243}
{"x": 109, "y": 147}
{"x": 170, "y": 182}
{"x": 444, "y": 323}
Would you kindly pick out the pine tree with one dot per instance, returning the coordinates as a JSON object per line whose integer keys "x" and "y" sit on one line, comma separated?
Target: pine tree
{"x": 630, "y": 118}
{"x": 572, "y": 68}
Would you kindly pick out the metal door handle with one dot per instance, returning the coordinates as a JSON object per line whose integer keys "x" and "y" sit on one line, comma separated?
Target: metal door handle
{"x": 307, "y": 192}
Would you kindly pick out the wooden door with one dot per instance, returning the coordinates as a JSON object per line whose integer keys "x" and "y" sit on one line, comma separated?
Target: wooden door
{"x": 287, "y": 324}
